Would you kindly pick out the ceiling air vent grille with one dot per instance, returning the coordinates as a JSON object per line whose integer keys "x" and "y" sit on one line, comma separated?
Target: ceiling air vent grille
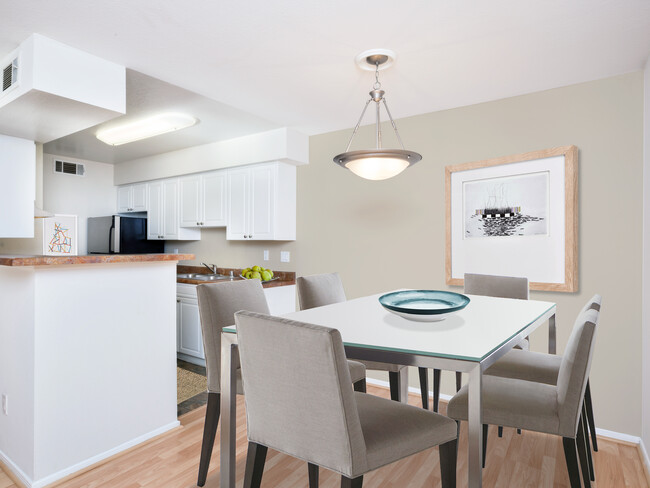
{"x": 10, "y": 75}
{"x": 67, "y": 168}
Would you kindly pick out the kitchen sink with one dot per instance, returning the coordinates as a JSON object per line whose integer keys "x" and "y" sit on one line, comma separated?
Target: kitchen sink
{"x": 202, "y": 277}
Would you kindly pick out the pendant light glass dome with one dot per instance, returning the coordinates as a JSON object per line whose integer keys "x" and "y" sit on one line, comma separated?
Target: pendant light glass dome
{"x": 377, "y": 163}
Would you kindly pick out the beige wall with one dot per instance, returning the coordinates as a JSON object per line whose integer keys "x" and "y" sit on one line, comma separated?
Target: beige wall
{"x": 390, "y": 234}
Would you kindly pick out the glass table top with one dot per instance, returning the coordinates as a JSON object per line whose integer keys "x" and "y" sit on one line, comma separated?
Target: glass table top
{"x": 472, "y": 333}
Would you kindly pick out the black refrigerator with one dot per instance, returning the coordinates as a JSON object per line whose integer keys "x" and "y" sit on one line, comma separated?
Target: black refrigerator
{"x": 118, "y": 234}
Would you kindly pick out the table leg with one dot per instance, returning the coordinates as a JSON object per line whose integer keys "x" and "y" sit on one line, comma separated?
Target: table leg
{"x": 404, "y": 385}
{"x": 551, "y": 335}
{"x": 475, "y": 421}
{"x": 229, "y": 361}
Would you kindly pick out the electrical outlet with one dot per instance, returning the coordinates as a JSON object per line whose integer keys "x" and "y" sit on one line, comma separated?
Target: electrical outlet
{"x": 285, "y": 256}
{"x": 266, "y": 254}
{"x": 5, "y": 404}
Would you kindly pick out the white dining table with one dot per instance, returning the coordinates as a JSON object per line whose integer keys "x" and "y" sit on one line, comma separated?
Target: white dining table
{"x": 469, "y": 340}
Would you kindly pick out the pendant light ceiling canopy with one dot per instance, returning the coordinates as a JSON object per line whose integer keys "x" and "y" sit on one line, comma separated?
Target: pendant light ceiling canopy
{"x": 377, "y": 163}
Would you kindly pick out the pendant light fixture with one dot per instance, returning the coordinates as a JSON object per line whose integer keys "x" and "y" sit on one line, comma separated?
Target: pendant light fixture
{"x": 377, "y": 163}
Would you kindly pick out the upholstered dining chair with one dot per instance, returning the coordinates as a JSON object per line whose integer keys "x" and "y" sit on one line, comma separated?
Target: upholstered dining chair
{"x": 307, "y": 408}
{"x": 551, "y": 409}
{"x": 492, "y": 286}
{"x": 218, "y": 303}
{"x": 325, "y": 289}
{"x": 544, "y": 368}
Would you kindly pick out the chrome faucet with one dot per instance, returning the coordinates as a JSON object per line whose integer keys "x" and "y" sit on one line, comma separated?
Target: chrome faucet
{"x": 211, "y": 267}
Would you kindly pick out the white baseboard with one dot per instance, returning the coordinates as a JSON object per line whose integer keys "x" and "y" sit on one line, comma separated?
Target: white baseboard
{"x": 18, "y": 473}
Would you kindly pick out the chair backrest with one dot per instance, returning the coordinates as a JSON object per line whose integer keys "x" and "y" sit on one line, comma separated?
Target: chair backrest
{"x": 319, "y": 290}
{"x": 574, "y": 370}
{"x": 496, "y": 286}
{"x": 299, "y": 396}
{"x": 218, "y": 303}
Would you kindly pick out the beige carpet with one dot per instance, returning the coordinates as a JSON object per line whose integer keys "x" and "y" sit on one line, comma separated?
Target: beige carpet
{"x": 189, "y": 384}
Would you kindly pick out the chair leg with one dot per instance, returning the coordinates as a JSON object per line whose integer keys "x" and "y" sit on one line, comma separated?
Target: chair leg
{"x": 255, "y": 459}
{"x": 590, "y": 417}
{"x": 209, "y": 433}
{"x": 436, "y": 389}
{"x": 485, "y": 436}
{"x": 459, "y": 378}
{"x": 448, "y": 457}
{"x": 394, "y": 383}
{"x": 360, "y": 386}
{"x": 424, "y": 387}
{"x": 582, "y": 454}
{"x": 500, "y": 430}
{"x": 313, "y": 475}
{"x": 585, "y": 433}
{"x": 351, "y": 482}
{"x": 571, "y": 457}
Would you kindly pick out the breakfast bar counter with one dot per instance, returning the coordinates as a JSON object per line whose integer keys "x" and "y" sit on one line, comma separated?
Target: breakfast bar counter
{"x": 87, "y": 359}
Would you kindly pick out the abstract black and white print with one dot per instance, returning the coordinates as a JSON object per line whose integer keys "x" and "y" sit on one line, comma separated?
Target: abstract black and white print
{"x": 507, "y": 206}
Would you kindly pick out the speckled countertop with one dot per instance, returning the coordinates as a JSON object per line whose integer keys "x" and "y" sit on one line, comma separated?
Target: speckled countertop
{"x": 18, "y": 260}
{"x": 286, "y": 277}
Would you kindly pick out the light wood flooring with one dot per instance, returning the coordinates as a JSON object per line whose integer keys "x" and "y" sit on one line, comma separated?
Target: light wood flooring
{"x": 527, "y": 460}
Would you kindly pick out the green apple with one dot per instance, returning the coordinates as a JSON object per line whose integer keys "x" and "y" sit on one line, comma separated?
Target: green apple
{"x": 266, "y": 276}
{"x": 255, "y": 275}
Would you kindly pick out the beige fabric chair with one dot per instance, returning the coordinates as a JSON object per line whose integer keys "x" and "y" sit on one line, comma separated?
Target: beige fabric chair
{"x": 544, "y": 368}
{"x": 218, "y": 303}
{"x": 552, "y": 409}
{"x": 491, "y": 286}
{"x": 307, "y": 408}
{"x": 325, "y": 289}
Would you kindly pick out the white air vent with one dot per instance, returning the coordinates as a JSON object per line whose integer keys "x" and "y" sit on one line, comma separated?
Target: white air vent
{"x": 10, "y": 75}
{"x": 67, "y": 168}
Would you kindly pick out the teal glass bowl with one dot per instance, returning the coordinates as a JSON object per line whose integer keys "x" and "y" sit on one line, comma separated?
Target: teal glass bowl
{"x": 423, "y": 305}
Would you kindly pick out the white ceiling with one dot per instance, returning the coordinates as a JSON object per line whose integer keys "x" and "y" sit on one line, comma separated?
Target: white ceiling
{"x": 147, "y": 96}
{"x": 290, "y": 62}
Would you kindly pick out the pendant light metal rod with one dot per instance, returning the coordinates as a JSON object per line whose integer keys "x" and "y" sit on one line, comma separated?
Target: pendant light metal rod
{"x": 378, "y": 128}
{"x": 393, "y": 123}
{"x": 356, "y": 128}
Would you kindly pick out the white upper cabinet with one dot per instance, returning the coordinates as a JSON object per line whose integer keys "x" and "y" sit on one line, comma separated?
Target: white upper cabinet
{"x": 17, "y": 187}
{"x": 262, "y": 202}
{"x": 132, "y": 198}
{"x": 163, "y": 221}
{"x": 203, "y": 200}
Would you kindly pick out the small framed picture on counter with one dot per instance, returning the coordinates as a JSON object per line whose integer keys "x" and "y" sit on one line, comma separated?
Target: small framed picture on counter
{"x": 60, "y": 235}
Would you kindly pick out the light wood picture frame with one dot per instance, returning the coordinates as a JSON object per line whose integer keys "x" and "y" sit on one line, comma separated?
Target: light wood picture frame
{"x": 515, "y": 216}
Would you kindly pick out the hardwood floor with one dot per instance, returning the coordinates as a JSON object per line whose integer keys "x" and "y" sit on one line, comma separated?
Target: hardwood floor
{"x": 527, "y": 460}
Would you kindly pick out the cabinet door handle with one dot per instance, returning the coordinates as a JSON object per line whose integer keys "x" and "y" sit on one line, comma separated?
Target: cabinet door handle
{"x": 178, "y": 300}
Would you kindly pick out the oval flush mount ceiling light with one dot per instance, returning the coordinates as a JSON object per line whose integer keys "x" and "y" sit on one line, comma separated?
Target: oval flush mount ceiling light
{"x": 377, "y": 163}
{"x": 145, "y": 128}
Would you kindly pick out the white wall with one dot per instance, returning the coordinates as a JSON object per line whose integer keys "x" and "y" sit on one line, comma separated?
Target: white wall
{"x": 285, "y": 145}
{"x": 91, "y": 195}
{"x": 646, "y": 263}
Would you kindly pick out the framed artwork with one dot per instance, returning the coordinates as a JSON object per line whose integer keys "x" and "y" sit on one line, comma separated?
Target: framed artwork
{"x": 515, "y": 216}
{"x": 60, "y": 235}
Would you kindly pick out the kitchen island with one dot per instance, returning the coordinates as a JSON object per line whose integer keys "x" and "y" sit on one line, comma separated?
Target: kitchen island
{"x": 87, "y": 359}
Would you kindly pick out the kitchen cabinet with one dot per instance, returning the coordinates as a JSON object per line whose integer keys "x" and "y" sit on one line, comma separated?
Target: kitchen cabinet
{"x": 132, "y": 198}
{"x": 203, "y": 200}
{"x": 17, "y": 188}
{"x": 262, "y": 202}
{"x": 163, "y": 213}
{"x": 189, "y": 339}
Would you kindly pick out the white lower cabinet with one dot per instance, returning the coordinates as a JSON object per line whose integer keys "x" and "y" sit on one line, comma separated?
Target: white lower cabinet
{"x": 189, "y": 339}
